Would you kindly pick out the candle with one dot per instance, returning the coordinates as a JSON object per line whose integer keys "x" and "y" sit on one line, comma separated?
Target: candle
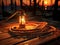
{"x": 22, "y": 21}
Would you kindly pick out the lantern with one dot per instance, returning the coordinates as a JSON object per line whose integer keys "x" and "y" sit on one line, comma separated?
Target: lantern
{"x": 21, "y": 21}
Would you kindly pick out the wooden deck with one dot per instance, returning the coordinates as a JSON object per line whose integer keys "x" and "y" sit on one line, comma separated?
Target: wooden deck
{"x": 7, "y": 39}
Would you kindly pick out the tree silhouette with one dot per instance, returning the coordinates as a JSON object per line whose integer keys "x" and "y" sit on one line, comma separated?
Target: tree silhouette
{"x": 21, "y": 1}
{"x": 56, "y": 5}
{"x": 55, "y": 12}
{"x": 12, "y": 5}
{"x": 2, "y": 8}
{"x": 34, "y": 11}
{"x": 15, "y": 4}
{"x": 38, "y": 2}
{"x": 30, "y": 3}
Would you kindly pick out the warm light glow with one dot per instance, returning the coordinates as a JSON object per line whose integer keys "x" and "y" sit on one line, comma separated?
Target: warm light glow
{"x": 22, "y": 20}
{"x": 58, "y": 3}
{"x": 18, "y": 2}
{"x": 26, "y": 44}
{"x": 6, "y": 2}
{"x": 34, "y": 25}
{"x": 30, "y": 26}
{"x": 45, "y": 2}
{"x": 26, "y": 2}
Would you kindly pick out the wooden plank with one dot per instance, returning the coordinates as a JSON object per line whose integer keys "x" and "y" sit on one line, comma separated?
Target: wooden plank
{"x": 1, "y": 32}
{"x": 11, "y": 41}
{"x": 22, "y": 41}
{"x": 38, "y": 40}
{"x": 4, "y": 36}
{"x": 6, "y": 39}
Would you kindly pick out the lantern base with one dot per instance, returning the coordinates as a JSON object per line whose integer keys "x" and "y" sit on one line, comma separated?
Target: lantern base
{"x": 32, "y": 33}
{"x": 21, "y": 26}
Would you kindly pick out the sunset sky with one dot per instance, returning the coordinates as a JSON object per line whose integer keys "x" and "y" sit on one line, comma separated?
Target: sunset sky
{"x": 46, "y": 2}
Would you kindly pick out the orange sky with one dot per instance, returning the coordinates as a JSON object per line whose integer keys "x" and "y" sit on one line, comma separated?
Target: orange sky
{"x": 59, "y": 3}
{"x": 18, "y": 2}
{"x": 46, "y": 2}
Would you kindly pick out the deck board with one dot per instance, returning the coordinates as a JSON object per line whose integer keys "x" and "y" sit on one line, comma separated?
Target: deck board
{"x": 7, "y": 39}
{"x": 10, "y": 41}
{"x": 4, "y": 36}
{"x": 40, "y": 40}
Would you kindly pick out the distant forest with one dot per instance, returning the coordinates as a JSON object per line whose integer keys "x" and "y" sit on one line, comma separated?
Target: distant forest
{"x": 28, "y": 2}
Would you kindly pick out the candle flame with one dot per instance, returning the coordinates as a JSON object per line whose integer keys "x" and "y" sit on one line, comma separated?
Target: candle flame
{"x": 22, "y": 20}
